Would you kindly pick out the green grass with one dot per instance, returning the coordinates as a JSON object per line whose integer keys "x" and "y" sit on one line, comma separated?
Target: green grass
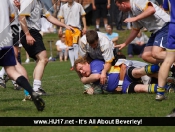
{"x": 65, "y": 99}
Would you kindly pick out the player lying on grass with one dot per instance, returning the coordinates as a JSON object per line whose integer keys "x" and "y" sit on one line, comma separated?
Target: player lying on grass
{"x": 89, "y": 72}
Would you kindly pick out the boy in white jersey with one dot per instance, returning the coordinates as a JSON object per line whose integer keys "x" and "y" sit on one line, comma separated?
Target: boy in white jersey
{"x": 7, "y": 57}
{"x": 97, "y": 46}
{"x": 147, "y": 14}
{"x": 30, "y": 15}
{"x": 70, "y": 13}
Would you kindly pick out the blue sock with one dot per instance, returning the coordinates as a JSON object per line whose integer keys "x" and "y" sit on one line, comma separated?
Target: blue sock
{"x": 160, "y": 90}
{"x": 149, "y": 69}
{"x": 152, "y": 88}
{"x": 26, "y": 93}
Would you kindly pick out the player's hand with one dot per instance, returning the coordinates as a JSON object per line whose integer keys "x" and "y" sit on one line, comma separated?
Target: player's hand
{"x": 120, "y": 46}
{"x": 90, "y": 91}
{"x": 70, "y": 28}
{"x": 17, "y": 4}
{"x": 84, "y": 31}
{"x": 60, "y": 32}
{"x": 132, "y": 19}
{"x": 30, "y": 40}
{"x": 103, "y": 78}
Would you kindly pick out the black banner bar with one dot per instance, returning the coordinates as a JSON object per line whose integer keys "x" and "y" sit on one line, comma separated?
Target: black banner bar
{"x": 87, "y": 121}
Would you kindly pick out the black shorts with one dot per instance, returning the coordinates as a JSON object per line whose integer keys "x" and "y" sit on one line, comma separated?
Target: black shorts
{"x": 129, "y": 73}
{"x": 15, "y": 34}
{"x": 7, "y": 56}
{"x": 101, "y": 11}
{"x": 38, "y": 45}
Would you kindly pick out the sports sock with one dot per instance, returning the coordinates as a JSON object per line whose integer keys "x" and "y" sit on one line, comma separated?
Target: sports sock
{"x": 71, "y": 57}
{"x": 22, "y": 81}
{"x": 26, "y": 93}
{"x": 152, "y": 88}
{"x": 36, "y": 85}
{"x": 97, "y": 26}
{"x": 160, "y": 90}
{"x": 149, "y": 69}
{"x": 2, "y": 72}
{"x": 105, "y": 25}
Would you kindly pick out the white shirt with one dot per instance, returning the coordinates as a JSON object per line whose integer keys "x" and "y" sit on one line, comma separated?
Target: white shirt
{"x": 15, "y": 22}
{"x": 61, "y": 44}
{"x": 34, "y": 10}
{"x": 152, "y": 23}
{"x": 6, "y": 11}
{"x": 72, "y": 14}
{"x": 104, "y": 50}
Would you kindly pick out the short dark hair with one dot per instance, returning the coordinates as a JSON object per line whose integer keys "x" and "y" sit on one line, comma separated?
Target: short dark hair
{"x": 91, "y": 36}
{"x": 110, "y": 26}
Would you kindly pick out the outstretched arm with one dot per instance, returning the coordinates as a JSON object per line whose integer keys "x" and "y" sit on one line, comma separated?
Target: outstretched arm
{"x": 92, "y": 78}
{"x": 150, "y": 10}
{"x": 131, "y": 37}
{"x": 58, "y": 23}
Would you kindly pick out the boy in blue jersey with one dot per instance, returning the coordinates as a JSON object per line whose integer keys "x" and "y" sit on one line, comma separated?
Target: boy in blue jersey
{"x": 170, "y": 52}
{"x": 90, "y": 75}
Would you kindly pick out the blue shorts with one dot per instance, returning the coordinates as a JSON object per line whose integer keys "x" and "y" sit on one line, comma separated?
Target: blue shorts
{"x": 159, "y": 38}
{"x": 7, "y": 56}
{"x": 171, "y": 37}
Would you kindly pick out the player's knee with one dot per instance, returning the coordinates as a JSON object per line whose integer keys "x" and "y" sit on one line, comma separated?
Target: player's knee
{"x": 44, "y": 60}
{"x": 155, "y": 55}
{"x": 145, "y": 56}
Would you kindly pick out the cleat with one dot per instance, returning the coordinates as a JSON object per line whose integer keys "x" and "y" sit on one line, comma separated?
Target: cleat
{"x": 170, "y": 80}
{"x": 171, "y": 88}
{"x": 16, "y": 86}
{"x": 160, "y": 97}
{"x": 6, "y": 78}
{"x": 28, "y": 97}
{"x": 2, "y": 83}
{"x": 39, "y": 102}
{"x": 172, "y": 114}
{"x": 40, "y": 92}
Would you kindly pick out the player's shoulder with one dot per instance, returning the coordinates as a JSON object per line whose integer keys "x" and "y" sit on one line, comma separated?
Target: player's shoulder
{"x": 97, "y": 62}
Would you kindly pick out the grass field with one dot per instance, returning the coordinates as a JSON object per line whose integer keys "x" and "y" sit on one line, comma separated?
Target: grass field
{"x": 65, "y": 99}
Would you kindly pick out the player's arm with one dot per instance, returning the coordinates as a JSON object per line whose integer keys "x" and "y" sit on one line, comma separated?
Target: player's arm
{"x": 30, "y": 40}
{"x": 84, "y": 24}
{"x": 107, "y": 67}
{"x": 55, "y": 21}
{"x": 131, "y": 37}
{"x": 150, "y": 10}
{"x": 92, "y": 78}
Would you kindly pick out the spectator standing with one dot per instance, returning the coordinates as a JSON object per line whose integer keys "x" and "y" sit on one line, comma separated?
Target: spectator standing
{"x": 100, "y": 8}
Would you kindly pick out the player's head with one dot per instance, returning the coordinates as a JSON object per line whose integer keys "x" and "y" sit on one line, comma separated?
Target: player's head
{"x": 123, "y": 5}
{"x": 82, "y": 67}
{"x": 62, "y": 37}
{"x": 109, "y": 28}
{"x": 92, "y": 38}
